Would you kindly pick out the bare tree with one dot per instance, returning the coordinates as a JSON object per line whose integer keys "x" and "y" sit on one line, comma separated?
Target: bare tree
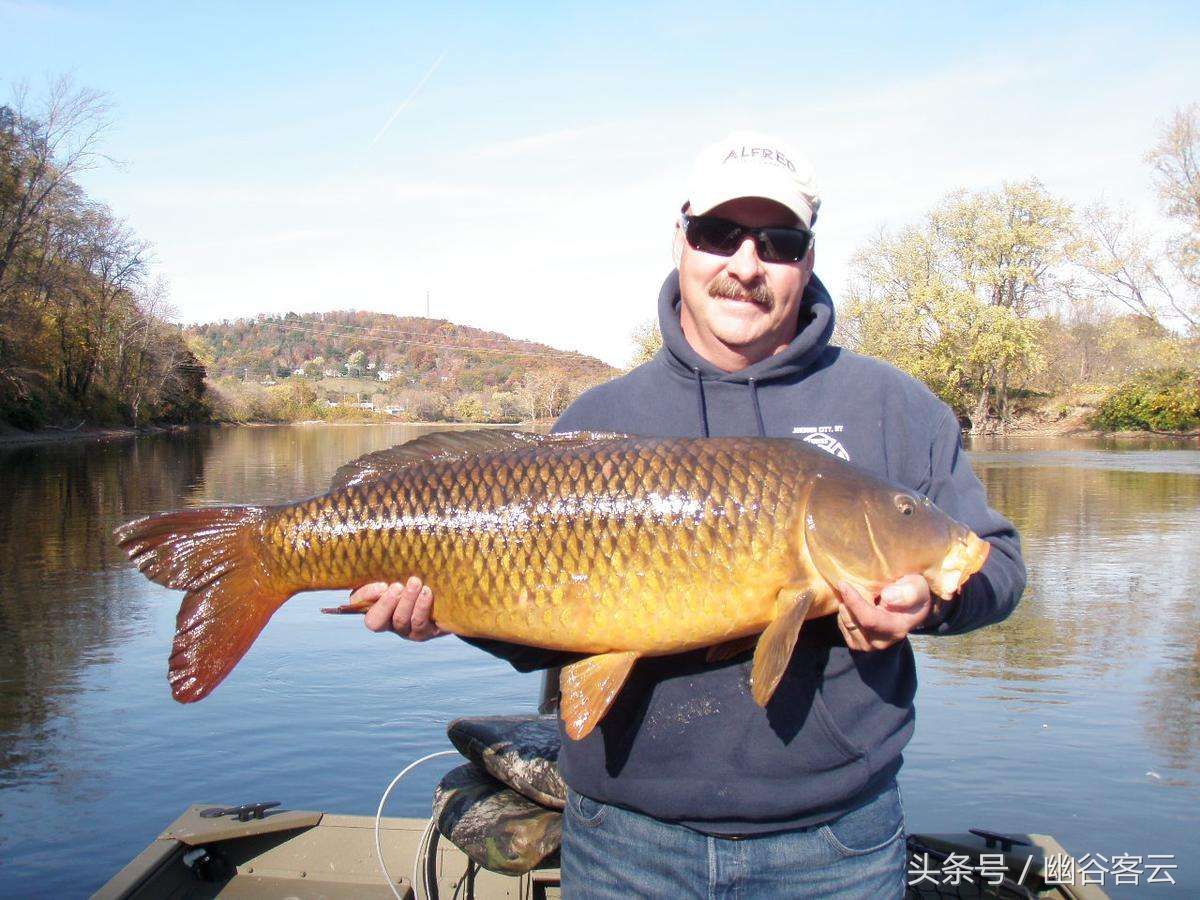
{"x": 44, "y": 150}
{"x": 1175, "y": 160}
{"x": 1124, "y": 266}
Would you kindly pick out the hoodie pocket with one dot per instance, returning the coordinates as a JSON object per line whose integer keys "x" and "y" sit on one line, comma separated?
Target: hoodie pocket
{"x": 836, "y": 736}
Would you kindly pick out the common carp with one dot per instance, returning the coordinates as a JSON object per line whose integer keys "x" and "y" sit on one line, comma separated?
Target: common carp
{"x": 604, "y": 544}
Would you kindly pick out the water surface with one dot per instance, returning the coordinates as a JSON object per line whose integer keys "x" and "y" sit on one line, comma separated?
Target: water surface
{"x": 1079, "y": 717}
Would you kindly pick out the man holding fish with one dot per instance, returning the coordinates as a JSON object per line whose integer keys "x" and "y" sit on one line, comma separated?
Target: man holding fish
{"x": 689, "y": 787}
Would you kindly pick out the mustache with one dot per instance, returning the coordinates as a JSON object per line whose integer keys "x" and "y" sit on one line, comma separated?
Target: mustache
{"x": 724, "y": 286}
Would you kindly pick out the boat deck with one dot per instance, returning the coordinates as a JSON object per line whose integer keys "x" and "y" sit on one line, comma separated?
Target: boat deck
{"x": 297, "y": 854}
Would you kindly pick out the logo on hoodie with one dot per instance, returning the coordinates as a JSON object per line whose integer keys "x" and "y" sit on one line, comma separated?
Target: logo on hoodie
{"x": 823, "y": 436}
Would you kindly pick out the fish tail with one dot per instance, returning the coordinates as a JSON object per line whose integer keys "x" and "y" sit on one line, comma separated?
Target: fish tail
{"x": 215, "y": 554}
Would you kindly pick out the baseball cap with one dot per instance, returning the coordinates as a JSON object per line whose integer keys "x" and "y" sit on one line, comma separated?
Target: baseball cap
{"x": 751, "y": 164}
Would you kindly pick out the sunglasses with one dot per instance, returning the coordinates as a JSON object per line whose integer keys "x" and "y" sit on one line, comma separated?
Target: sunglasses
{"x": 711, "y": 234}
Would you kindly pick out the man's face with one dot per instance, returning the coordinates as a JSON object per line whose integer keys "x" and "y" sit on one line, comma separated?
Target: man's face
{"x": 738, "y": 309}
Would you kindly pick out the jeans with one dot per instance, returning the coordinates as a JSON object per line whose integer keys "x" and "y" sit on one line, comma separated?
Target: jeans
{"x": 610, "y": 852}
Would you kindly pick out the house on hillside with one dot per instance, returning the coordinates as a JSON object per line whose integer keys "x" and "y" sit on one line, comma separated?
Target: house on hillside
{"x": 385, "y": 375}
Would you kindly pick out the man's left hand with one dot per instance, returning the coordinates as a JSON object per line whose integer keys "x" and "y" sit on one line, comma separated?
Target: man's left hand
{"x": 903, "y": 606}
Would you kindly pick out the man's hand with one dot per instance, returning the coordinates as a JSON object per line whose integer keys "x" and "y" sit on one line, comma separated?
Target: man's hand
{"x": 402, "y": 607}
{"x": 903, "y": 606}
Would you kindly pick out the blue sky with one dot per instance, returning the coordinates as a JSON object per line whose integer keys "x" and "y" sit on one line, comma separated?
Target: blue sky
{"x": 531, "y": 182}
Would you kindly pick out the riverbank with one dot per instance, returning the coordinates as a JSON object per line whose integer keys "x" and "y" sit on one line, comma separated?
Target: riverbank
{"x": 10, "y": 436}
{"x": 1073, "y": 425}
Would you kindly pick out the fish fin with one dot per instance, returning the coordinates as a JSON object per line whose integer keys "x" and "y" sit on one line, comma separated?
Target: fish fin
{"x": 588, "y": 688}
{"x": 730, "y": 649}
{"x": 447, "y": 445}
{"x": 777, "y": 642}
{"x": 212, "y": 554}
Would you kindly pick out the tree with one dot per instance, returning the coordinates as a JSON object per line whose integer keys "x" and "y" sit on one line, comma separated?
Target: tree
{"x": 1175, "y": 160}
{"x": 1123, "y": 265}
{"x": 953, "y": 300}
{"x": 42, "y": 153}
{"x": 647, "y": 340}
{"x": 467, "y": 409}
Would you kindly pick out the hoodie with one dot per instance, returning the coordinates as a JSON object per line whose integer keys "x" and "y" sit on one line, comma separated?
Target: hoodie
{"x": 684, "y": 741}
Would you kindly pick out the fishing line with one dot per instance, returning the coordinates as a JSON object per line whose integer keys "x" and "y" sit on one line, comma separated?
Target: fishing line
{"x": 379, "y": 815}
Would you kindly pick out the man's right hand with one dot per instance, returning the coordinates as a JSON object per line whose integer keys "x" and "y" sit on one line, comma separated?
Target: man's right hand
{"x": 403, "y": 607}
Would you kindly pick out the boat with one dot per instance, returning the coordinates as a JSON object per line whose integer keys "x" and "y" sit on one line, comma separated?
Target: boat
{"x": 303, "y": 854}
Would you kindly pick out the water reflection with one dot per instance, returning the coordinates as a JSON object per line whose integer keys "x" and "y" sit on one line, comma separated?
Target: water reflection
{"x": 1114, "y": 572}
{"x": 61, "y": 603}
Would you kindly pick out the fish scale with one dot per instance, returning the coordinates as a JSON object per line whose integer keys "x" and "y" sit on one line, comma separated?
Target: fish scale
{"x": 548, "y": 534}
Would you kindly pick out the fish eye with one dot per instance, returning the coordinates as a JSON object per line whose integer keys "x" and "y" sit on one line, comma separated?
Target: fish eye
{"x": 905, "y": 504}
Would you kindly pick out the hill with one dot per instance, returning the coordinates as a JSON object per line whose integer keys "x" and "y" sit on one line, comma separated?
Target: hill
{"x": 412, "y": 367}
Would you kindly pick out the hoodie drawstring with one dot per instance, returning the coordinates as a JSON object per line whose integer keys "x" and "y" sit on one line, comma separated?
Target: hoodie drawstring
{"x": 702, "y": 406}
{"x": 762, "y": 432}
{"x": 700, "y": 401}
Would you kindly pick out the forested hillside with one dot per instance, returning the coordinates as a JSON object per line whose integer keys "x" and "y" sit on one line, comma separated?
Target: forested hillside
{"x": 85, "y": 331}
{"x": 414, "y": 368}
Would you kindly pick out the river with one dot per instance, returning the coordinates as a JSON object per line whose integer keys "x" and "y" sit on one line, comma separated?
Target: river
{"x": 1078, "y": 717}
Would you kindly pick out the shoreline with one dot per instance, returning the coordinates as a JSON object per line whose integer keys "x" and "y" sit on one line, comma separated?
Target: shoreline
{"x": 10, "y": 436}
{"x": 15, "y": 437}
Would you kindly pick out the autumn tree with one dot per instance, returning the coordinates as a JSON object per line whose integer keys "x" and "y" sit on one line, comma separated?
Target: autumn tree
{"x": 82, "y": 330}
{"x": 647, "y": 341}
{"x": 955, "y": 299}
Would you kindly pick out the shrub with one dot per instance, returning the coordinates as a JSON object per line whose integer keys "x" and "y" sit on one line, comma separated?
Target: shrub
{"x": 1155, "y": 400}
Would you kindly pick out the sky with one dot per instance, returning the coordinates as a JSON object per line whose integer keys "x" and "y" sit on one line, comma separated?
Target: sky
{"x": 524, "y": 163}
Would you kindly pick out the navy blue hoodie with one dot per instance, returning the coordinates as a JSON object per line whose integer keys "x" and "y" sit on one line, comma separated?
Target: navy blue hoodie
{"x": 684, "y": 740}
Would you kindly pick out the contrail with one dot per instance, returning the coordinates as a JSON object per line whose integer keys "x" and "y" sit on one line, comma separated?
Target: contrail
{"x": 407, "y": 100}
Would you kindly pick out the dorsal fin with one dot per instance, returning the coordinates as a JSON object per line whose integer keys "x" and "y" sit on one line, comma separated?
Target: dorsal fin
{"x": 446, "y": 445}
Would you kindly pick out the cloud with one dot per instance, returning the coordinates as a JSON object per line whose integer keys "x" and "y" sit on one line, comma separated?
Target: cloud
{"x": 537, "y": 143}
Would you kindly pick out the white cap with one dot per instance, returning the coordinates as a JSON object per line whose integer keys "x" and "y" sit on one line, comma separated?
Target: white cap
{"x": 749, "y": 164}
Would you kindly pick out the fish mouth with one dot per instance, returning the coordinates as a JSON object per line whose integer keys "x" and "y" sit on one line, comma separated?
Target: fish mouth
{"x": 966, "y": 557}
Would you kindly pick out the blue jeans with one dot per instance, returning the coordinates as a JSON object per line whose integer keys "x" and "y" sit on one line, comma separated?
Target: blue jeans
{"x": 610, "y": 852}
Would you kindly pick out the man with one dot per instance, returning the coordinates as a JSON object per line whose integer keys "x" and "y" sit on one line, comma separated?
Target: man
{"x": 688, "y": 788}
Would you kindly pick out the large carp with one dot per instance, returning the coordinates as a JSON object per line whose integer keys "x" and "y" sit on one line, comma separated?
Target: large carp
{"x": 604, "y": 544}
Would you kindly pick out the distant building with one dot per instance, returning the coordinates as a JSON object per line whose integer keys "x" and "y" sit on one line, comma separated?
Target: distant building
{"x": 331, "y": 373}
{"x": 298, "y": 371}
{"x": 385, "y": 375}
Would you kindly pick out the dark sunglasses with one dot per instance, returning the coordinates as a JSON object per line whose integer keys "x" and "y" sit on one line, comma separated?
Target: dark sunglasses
{"x": 711, "y": 234}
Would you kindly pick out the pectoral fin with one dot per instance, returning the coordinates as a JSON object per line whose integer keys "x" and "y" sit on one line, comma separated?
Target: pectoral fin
{"x": 777, "y": 642}
{"x": 730, "y": 649}
{"x": 588, "y": 688}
